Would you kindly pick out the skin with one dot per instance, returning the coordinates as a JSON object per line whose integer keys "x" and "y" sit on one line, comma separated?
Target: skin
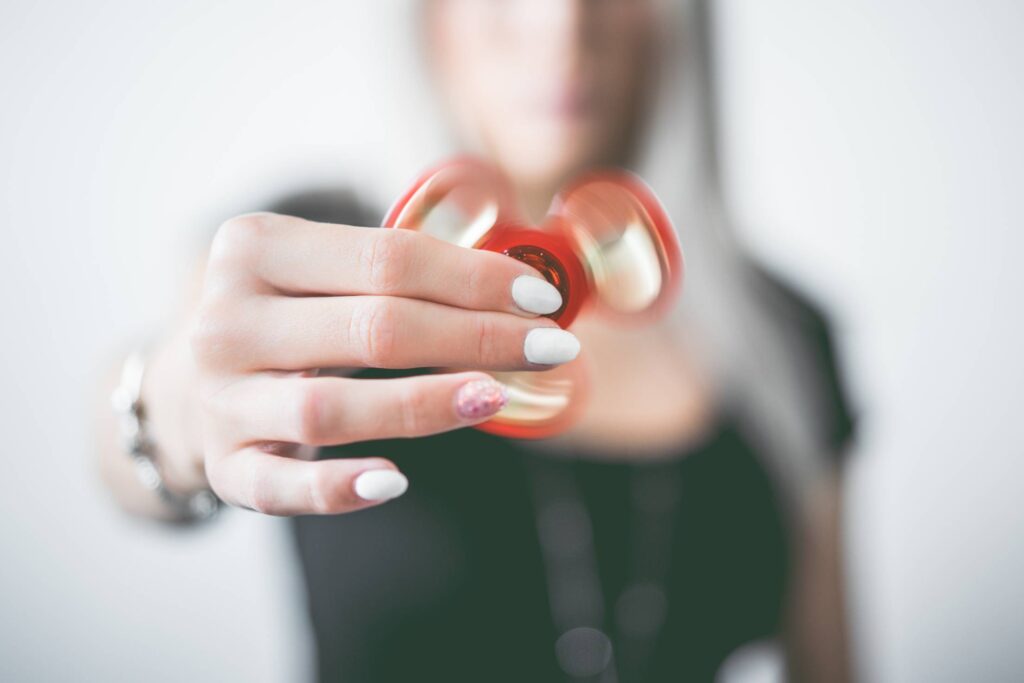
{"x": 234, "y": 398}
{"x": 543, "y": 88}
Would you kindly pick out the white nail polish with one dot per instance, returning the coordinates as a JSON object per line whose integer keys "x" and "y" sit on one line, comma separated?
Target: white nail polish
{"x": 381, "y": 485}
{"x": 535, "y": 295}
{"x": 550, "y": 346}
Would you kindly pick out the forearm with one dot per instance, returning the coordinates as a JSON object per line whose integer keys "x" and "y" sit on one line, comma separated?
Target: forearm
{"x": 817, "y": 631}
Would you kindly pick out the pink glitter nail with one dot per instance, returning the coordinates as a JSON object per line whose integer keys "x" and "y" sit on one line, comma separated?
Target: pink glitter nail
{"x": 480, "y": 398}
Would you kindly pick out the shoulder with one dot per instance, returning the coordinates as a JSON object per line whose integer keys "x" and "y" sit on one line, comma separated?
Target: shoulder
{"x": 326, "y": 205}
{"x": 810, "y": 334}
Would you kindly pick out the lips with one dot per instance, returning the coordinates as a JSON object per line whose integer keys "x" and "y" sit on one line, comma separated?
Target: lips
{"x": 574, "y": 97}
{"x": 573, "y": 102}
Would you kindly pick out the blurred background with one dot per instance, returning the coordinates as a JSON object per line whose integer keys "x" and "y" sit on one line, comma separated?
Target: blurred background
{"x": 873, "y": 154}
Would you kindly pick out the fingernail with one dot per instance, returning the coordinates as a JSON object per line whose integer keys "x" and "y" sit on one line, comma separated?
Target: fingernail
{"x": 381, "y": 485}
{"x": 480, "y": 398}
{"x": 550, "y": 346}
{"x": 535, "y": 295}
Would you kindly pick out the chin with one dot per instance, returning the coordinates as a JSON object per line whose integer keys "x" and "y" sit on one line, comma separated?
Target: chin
{"x": 546, "y": 161}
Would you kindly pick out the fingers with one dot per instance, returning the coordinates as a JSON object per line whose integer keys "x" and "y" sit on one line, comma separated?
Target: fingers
{"x": 282, "y": 333}
{"x": 283, "y": 294}
{"x": 334, "y": 410}
{"x": 302, "y": 257}
{"x": 277, "y": 485}
{"x": 329, "y": 410}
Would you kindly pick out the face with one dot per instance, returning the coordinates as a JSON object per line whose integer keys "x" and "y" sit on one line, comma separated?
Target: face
{"x": 544, "y": 87}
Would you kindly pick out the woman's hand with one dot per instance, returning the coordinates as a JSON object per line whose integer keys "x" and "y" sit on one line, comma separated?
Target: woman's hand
{"x": 284, "y": 297}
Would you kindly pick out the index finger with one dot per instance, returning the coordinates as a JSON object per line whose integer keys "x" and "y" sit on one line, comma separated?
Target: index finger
{"x": 301, "y": 257}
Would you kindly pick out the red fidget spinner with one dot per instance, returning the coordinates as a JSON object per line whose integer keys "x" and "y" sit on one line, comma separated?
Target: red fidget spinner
{"x": 605, "y": 244}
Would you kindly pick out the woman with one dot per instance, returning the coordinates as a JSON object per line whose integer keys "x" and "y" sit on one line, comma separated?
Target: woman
{"x": 690, "y": 511}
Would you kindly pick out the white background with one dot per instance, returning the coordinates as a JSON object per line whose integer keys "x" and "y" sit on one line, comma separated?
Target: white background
{"x": 873, "y": 153}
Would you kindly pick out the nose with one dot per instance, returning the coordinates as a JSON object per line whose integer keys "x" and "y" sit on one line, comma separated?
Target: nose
{"x": 558, "y": 23}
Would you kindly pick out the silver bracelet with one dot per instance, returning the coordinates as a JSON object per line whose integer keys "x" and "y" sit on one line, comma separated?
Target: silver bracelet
{"x": 127, "y": 404}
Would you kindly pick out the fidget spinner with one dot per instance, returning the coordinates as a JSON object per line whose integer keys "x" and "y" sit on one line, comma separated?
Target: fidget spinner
{"x": 606, "y": 244}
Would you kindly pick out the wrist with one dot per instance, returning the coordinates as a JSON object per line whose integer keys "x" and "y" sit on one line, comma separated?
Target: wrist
{"x": 145, "y": 454}
{"x": 169, "y": 392}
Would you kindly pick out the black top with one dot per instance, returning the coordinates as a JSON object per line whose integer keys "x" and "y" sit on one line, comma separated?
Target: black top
{"x": 452, "y": 583}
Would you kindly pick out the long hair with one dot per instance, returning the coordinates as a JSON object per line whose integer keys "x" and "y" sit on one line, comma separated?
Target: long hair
{"x": 760, "y": 366}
